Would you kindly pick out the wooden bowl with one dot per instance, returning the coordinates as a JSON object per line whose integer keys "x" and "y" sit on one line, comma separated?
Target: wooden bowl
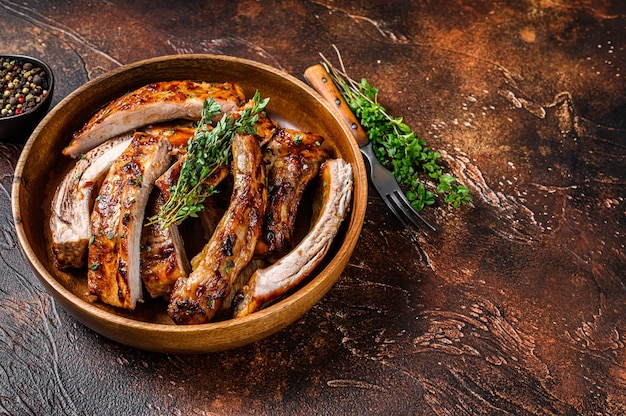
{"x": 17, "y": 127}
{"x": 41, "y": 166}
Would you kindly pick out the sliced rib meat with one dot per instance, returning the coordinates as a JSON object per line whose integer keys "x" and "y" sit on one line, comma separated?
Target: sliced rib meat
{"x": 196, "y": 299}
{"x": 270, "y": 283}
{"x": 265, "y": 128}
{"x": 163, "y": 256}
{"x": 73, "y": 200}
{"x": 153, "y": 103}
{"x": 170, "y": 177}
{"x": 117, "y": 219}
{"x": 288, "y": 141}
{"x": 177, "y": 133}
{"x": 295, "y": 159}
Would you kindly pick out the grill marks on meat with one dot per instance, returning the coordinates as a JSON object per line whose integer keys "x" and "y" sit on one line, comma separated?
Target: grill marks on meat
{"x": 153, "y": 103}
{"x": 122, "y": 253}
{"x": 177, "y": 133}
{"x": 295, "y": 158}
{"x": 73, "y": 200}
{"x": 270, "y": 283}
{"x": 163, "y": 256}
{"x": 117, "y": 219}
{"x": 265, "y": 129}
{"x": 196, "y": 299}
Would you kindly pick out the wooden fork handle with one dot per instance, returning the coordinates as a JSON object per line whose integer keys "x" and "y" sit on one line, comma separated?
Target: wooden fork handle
{"x": 318, "y": 78}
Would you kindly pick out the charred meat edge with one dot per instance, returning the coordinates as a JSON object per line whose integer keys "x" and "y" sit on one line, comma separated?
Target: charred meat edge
{"x": 163, "y": 256}
{"x": 195, "y": 300}
{"x": 296, "y": 159}
{"x": 116, "y": 221}
{"x": 270, "y": 283}
{"x": 73, "y": 201}
{"x": 153, "y": 103}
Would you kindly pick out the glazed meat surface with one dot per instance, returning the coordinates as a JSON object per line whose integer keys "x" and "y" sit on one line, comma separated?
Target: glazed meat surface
{"x": 73, "y": 200}
{"x": 116, "y": 221}
{"x": 196, "y": 299}
{"x": 295, "y": 158}
{"x": 153, "y": 103}
{"x": 131, "y": 153}
{"x": 266, "y": 285}
{"x": 177, "y": 133}
{"x": 163, "y": 256}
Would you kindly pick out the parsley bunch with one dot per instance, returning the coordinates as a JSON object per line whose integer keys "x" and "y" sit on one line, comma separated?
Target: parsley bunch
{"x": 209, "y": 149}
{"x": 397, "y": 146}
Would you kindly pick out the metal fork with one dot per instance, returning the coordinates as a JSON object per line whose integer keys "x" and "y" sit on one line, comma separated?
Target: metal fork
{"x": 382, "y": 179}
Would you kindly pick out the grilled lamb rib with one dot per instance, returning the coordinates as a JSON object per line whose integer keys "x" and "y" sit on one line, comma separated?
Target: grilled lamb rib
{"x": 117, "y": 219}
{"x": 196, "y": 299}
{"x": 153, "y": 103}
{"x": 295, "y": 158}
{"x": 268, "y": 284}
{"x": 163, "y": 256}
{"x": 73, "y": 200}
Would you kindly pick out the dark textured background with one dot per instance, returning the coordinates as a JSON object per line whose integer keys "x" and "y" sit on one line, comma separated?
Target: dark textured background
{"x": 515, "y": 307}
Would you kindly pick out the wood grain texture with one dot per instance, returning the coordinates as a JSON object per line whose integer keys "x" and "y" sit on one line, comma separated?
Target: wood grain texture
{"x": 516, "y": 307}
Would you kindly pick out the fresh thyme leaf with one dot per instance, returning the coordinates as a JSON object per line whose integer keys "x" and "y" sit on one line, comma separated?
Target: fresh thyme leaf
{"x": 208, "y": 150}
{"x": 396, "y": 145}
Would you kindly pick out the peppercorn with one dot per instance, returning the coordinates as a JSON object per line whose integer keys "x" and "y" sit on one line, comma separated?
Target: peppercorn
{"x": 22, "y": 86}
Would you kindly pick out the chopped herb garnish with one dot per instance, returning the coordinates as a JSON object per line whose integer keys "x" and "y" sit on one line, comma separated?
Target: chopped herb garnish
{"x": 229, "y": 265}
{"x": 137, "y": 181}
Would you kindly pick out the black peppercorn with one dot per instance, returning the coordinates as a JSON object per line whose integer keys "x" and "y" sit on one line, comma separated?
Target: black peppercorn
{"x": 22, "y": 86}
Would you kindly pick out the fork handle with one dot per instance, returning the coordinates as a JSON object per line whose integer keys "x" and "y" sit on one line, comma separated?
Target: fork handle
{"x": 319, "y": 79}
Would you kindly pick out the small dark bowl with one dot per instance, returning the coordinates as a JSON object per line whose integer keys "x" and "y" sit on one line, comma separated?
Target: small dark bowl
{"x": 17, "y": 128}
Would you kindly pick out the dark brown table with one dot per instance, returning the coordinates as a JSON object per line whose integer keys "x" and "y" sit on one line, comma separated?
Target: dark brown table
{"x": 517, "y": 306}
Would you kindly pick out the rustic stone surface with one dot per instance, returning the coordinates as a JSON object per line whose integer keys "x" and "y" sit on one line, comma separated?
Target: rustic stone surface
{"x": 516, "y": 305}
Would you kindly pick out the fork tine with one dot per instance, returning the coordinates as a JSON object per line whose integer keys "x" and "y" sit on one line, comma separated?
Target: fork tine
{"x": 391, "y": 204}
{"x": 407, "y": 205}
{"x": 397, "y": 201}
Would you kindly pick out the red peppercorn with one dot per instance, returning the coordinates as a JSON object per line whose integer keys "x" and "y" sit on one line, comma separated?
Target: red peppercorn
{"x": 12, "y": 73}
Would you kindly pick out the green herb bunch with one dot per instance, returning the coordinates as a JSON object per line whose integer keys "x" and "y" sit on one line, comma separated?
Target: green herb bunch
{"x": 397, "y": 146}
{"x": 209, "y": 149}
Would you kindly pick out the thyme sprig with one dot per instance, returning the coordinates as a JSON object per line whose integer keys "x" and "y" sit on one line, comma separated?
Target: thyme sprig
{"x": 209, "y": 149}
{"x": 396, "y": 145}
